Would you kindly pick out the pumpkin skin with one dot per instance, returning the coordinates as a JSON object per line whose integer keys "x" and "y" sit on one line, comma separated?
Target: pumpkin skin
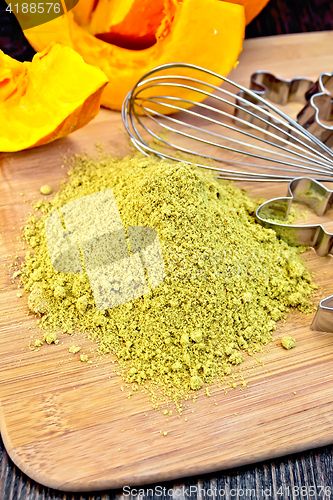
{"x": 207, "y": 33}
{"x": 252, "y": 7}
{"x": 47, "y": 98}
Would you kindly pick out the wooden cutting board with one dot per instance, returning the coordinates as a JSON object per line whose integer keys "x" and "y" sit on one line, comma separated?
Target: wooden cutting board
{"x": 70, "y": 426}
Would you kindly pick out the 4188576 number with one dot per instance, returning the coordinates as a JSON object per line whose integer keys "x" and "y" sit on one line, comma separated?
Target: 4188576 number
{"x": 33, "y": 8}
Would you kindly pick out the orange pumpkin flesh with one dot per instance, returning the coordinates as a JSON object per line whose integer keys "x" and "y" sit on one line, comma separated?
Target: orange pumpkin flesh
{"x": 207, "y": 33}
{"x": 83, "y": 11}
{"x": 135, "y": 27}
{"x": 134, "y": 23}
{"x": 48, "y": 98}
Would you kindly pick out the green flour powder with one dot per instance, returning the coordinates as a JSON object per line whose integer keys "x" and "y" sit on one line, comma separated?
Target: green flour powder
{"x": 227, "y": 279}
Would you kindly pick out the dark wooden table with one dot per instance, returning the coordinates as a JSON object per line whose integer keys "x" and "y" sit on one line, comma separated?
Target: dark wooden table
{"x": 302, "y": 476}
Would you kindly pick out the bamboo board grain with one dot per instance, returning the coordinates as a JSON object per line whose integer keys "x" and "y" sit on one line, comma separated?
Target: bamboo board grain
{"x": 70, "y": 426}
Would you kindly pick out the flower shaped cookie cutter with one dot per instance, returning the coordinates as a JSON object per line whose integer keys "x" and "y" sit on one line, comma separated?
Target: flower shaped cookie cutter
{"x": 316, "y": 97}
{"x": 316, "y": 196}
{"x": 319, "y": 109}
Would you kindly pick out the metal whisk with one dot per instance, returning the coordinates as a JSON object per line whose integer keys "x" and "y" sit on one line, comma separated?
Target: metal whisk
{"x": 241, "y": 137}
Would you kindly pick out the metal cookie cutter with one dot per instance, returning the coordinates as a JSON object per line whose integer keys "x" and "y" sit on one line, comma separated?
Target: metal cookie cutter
{"x": 315, "y": 96}
{"x": 316, "y": 196}
{"x": 319, "y": 109}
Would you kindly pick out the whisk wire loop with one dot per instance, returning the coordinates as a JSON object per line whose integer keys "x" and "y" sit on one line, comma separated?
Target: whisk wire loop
{"x": 282, "y": 146}
{"x": 153, "y": 114}
{"x": 268, "y": 123}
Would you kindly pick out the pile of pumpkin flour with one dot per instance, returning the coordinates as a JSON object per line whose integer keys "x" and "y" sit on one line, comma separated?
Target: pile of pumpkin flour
{"x": 228, "y": 280}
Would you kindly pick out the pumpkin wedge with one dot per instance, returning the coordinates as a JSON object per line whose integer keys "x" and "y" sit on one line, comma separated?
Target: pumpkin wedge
{"x": 207, "y": 33}
{"x": 47, "y": 98}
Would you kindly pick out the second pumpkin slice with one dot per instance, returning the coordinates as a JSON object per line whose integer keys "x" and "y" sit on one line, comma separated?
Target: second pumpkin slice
{"x": 206, "y": 33}
{"x": 47, "y": 98}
